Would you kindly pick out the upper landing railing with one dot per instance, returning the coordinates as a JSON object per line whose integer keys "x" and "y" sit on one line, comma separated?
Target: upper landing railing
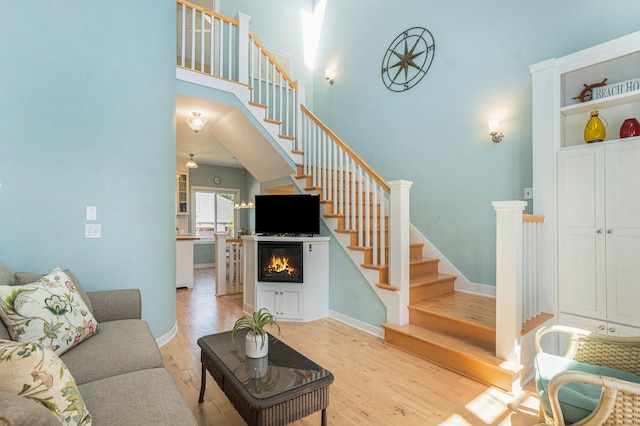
{"x": 225, "y": 48}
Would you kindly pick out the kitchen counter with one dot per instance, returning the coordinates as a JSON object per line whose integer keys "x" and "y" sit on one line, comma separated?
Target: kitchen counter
{"x": 184, "y": 260}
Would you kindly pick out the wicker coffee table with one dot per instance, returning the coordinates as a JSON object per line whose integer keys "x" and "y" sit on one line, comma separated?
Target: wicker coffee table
{"x": 276, "y": 390}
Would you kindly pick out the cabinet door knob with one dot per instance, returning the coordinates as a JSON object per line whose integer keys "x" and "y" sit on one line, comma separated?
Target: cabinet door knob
{"x": 612, "y": 330}
{"x": 602, "y": 328}
{"x": 599, "y": 231}
{"x": 610, "y": 231}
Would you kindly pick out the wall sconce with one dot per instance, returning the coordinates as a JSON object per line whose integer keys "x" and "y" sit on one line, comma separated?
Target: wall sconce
{"x": 494, "y": 131}
{"x": 196, "y": 122}
{"x": 191, "y": 164}
{"x": 330, "y": 76}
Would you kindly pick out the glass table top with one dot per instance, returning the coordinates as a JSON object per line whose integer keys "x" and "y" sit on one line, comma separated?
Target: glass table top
{"x": 281, "y": 370}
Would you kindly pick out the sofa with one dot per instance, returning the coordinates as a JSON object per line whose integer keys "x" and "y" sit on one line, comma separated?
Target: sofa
{"x": 118, "y": 370}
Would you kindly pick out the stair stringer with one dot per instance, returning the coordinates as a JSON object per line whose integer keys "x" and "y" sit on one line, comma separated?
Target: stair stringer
{"x": 390, "y": 299}
{"x": 243, "y": 94}
{"x": 461, "y": 283}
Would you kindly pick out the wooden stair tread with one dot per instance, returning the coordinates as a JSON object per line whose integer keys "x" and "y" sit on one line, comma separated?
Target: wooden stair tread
{"x": 429, "y": 279}
{"x": 482, "y": 352}
{"x": 470, "y": 308}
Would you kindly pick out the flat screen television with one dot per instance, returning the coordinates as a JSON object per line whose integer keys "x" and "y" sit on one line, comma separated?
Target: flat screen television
{"x": 297, "y": 214}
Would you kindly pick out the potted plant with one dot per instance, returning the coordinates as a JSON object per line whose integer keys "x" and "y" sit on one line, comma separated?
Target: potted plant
{"x": 257, "y": 340}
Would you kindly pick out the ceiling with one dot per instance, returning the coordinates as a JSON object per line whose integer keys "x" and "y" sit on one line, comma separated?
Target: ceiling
{"x": 229, "y": 138}
{"x": 204, "y": 145}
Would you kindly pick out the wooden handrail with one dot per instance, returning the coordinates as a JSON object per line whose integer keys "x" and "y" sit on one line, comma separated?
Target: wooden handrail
{"x": 348, "y": 150}
{"x": 272, "y": 60}
{"x": 208, "y": 12}
{"x": 532, "y": 218}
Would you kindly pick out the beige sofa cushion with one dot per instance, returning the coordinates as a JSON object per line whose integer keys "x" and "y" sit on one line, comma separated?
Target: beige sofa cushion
{"x": 148, "y": 397}
{"x": 120, "y": 347}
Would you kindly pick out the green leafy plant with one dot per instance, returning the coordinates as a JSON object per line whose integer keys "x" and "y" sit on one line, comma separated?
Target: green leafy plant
{"x": 256, "y": 323}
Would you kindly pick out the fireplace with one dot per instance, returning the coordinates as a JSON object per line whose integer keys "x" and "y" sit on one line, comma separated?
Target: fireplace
{"x": 280, "y": 261}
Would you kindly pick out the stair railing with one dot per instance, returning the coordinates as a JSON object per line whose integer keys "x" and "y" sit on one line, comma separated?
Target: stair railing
{"x": 518, "y": 272}
{"x": 272, "y": 87}
{"x": 354, "y": 189}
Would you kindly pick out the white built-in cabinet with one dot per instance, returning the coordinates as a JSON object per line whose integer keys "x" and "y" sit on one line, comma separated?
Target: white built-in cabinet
{"x": 599, "y": 233}
{"x": 284, "y": 301}
{"x": 589, "y": 193}
{"x": 306, "y": 301}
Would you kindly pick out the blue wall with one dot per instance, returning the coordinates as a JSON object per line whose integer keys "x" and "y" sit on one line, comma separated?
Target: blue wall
{"x": 436, "y": 133}
{"x": 87, "y": 90}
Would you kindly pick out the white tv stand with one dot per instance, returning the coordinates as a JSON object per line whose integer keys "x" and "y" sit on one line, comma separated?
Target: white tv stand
{"x": 304, "y": 302}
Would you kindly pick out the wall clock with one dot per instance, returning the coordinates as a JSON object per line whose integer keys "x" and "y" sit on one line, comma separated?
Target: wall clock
{"x": 408, "y": 59}
{"x": 217, "y": 180}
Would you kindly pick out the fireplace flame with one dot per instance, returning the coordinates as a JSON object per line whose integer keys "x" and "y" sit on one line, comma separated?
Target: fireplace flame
{"x": 280, "y": 265}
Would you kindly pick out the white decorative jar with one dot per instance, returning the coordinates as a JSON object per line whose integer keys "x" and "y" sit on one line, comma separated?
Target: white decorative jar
{"x": 254, "y": 347}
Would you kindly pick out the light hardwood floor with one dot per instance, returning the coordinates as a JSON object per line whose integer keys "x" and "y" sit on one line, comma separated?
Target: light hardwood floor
{"x": 375, "y": 384}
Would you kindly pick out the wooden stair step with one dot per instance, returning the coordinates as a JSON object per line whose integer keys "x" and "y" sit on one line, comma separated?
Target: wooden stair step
{"x": 477, "y": 361}
{"x": 415, "y": 250}
{"x": 430, "y": 286}
{"x": 424, "y": 266}
{"x": 461, "y": 314}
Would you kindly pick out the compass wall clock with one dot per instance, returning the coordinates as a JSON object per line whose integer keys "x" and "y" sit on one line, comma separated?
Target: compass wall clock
{"x": 408, "y": 59}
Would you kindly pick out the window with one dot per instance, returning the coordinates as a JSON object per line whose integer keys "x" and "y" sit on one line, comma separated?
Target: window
{"x": 213, "y": 211}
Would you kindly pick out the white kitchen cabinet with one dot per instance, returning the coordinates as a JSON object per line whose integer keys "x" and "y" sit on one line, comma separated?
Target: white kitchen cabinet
{"x": 184, "y": 262}
{"x": 599, "y": 231}
{"x": 284, "y": 301}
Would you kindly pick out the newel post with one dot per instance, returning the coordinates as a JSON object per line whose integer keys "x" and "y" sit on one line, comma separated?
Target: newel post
{"x": 508, "y": 278}
{"x": 301, "y": 89}
{"x": 399, "y": 241}
{"x": 243, "y": 48}
{"x": 221, "y": 262}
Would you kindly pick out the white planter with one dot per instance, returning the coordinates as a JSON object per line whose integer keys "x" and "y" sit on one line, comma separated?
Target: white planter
{"x": 253, "y": 345}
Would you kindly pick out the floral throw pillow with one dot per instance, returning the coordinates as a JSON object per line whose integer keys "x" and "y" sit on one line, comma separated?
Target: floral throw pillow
{"x": 35, "y": 372}
{"x": 50, "y": 312}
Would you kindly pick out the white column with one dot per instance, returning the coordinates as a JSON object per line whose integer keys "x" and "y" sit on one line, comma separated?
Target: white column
{"x": 301, "y": 89}
{"x": 399, "y": 241}
{"x": 243, "y": 47}
{"x": 221, "y": 262}
{"x": 508, "y": 278}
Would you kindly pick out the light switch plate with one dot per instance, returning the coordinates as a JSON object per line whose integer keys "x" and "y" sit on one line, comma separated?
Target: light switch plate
{"x": 92, "y": 212}
{"x": 92, "y": 230}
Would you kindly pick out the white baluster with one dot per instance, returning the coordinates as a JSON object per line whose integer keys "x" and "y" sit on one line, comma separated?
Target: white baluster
{"x": 183, "y": 35}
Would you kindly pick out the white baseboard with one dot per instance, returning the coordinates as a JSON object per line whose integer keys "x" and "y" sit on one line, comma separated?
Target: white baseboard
{"x": 203, "y": 265}
{"x": 360, "y": 325}
{"x": 166, "y": 338}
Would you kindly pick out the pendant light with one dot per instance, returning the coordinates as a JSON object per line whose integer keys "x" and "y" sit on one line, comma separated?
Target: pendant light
{"x": 191, "y": 164}
{"x": 196, "y": 122}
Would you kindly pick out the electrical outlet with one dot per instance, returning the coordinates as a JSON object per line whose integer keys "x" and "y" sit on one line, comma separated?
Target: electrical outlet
{"x": 528, "y": 193}
{"x": 92, "y": 230}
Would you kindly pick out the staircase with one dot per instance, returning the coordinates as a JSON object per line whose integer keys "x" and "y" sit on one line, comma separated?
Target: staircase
{"x": 425, "y": 315}
{"x": 453, "y": 329}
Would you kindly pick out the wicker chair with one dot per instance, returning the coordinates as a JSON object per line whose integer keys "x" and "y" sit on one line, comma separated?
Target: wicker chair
{"x": 619, "y": 402}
